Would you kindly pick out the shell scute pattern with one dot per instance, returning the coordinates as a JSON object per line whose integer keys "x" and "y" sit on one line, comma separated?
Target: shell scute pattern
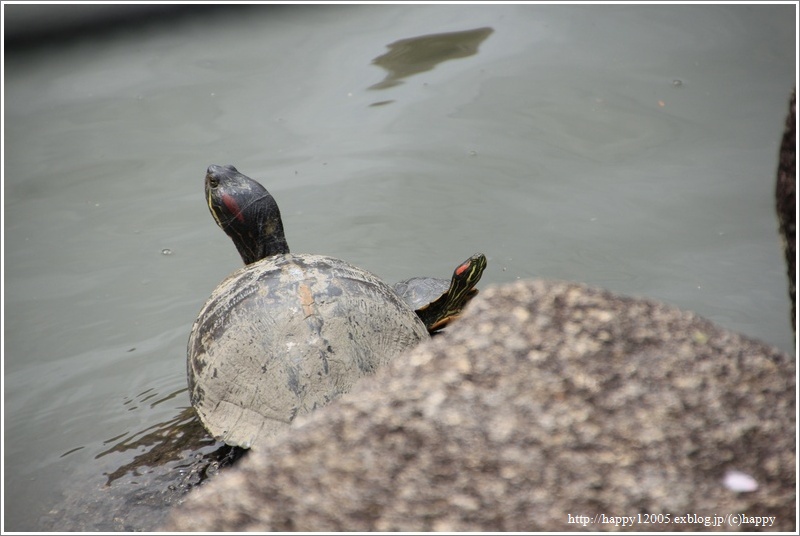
{"x": 297, "y": 345}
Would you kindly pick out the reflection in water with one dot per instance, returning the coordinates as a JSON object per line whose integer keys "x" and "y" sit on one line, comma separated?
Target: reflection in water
{"x": 414, "y": 55}
{"x": 169, "y": 441}
{"x": 160, "y": 465}
{"x": 382, "y": 103}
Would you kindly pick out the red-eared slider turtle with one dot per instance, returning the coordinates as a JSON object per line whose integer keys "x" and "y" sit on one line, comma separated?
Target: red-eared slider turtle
{"x": 288, "y": 332}
{"x": 438, "y": 301}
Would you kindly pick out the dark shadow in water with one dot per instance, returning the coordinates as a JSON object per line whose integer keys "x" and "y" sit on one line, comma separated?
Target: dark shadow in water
{"x": 169, "y": 442}
{"x": 414, "y": 55}
{"x": 51, "y": 25}
{"x": 160, "y": 465}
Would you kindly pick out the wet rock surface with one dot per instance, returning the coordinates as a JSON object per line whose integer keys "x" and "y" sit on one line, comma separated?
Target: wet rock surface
{"x": 546, "y": 400}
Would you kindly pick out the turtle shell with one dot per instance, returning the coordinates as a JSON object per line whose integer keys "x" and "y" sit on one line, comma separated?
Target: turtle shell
{"x": 288, "y": 334}
{"x": 419, "y": 292}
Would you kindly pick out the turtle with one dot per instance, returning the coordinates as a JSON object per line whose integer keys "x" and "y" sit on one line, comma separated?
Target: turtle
{"x": 436, "y": 301}
{"x": 288, "y": 332}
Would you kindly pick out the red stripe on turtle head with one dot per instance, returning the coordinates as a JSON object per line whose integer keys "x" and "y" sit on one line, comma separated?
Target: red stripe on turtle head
{"x": 233, "y": 207}
{"x": 461, "y": 269}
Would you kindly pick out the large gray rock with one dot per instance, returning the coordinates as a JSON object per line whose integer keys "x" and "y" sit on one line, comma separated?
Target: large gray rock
{"x": 547, "y": 401}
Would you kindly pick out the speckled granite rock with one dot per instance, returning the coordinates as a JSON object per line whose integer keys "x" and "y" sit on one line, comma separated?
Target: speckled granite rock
{"x": 547, "y": 401}
{"x": 785, "y": 197}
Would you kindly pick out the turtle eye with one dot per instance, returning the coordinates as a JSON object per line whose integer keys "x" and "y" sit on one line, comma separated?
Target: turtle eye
{"x": 213, "y": 182}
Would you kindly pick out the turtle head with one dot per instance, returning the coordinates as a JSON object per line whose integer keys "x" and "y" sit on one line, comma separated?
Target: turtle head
{"x": 469, "y": 272}
{"x": 448, "y": 306}
{"x": 247, "y": 213}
